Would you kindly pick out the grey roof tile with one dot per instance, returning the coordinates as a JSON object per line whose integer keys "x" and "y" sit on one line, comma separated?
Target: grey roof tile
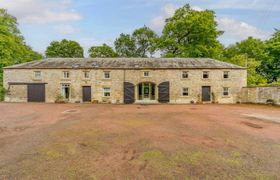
{"x": 126, "y": 63}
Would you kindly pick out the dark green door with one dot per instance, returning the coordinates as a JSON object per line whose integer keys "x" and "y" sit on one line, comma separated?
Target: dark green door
{"x": 206, "y": 93}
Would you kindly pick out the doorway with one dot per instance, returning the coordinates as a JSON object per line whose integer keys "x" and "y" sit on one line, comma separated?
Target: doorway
{"x": 206, "y": 93}
{"x": 86, "y": 94}
{"x": 146, "y": 91}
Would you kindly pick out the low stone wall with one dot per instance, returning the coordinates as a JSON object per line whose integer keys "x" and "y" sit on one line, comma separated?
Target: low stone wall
{"x": 261, "y": 95}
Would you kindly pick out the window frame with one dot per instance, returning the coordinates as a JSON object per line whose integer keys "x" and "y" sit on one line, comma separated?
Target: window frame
{"x": 205, "y": 73}
{"x": 185, "y": 73}
{"x": 64, "y": 73}
{"x": 226, "y": 75}
{"x": 146, "y": 75}
{"x": 187, "y": 92}
{"x": 40, "y": 76}
{"x": 106, "y": 90}
{"x": 86, "y": 72}
{"x": 108, "y": 73}
{"x": 226, "y": 91}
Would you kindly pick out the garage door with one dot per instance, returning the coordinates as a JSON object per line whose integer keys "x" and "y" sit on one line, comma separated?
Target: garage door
{"x": 36, "y": 92}
{"x": 163, "y": 92}
{"x": 129, "y": 93}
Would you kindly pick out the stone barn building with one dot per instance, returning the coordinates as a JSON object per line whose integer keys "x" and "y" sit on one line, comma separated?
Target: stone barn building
{"x": 125, "y": 80}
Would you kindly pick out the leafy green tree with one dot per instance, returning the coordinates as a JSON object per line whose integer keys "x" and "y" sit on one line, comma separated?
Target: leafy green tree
{"x": 270, "y": 66}
{"x": 13, "y": 49}
{"x": 145, "y": 39}
{"x": 125, "y": 46}
{"x": 64, "y": 49}
{"x": 190, "y": 33}
{"x": 253, "y": 77}
{"x": 103, "y": 51}
{"x": 252, "y": 48}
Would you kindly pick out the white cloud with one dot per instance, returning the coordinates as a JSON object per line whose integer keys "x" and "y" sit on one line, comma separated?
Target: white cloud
{"x": 41, "y": 11}
{"x": 238, "y": 30}
{"x": 158, "y": 22}
{"x": 66, "y": 29}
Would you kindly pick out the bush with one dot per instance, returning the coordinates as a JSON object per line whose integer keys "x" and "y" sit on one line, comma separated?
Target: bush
{"x": 270, "y": 101}
{"x": 59, "y": 99}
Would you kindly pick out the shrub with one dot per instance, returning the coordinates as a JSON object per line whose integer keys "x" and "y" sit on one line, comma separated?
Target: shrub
{"x": 59, "y": 99}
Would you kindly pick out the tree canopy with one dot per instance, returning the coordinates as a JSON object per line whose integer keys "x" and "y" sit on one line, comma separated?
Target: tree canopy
{"x": 64, "y": 49}
{"x": 103, "y": 51}
{"x": 145, "y": 40}
{"x": 270, "y": 65}
{"x": 190, "y": 33}
{"x": 13, "y": 49}
{"x": 125, "y": 46}
{"x": 251, "y": 47}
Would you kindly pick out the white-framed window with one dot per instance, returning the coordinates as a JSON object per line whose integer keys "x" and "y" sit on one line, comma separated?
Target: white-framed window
{"x": 185, "y": 91}
{"x": 66, "y": 74}
{"x": 106, "y": 92}
{"x": 65, "y": 91}
{"x": 107, "y": 75}
{"x": 146, "y": 73}
{"x": 37, "y": 75}
{"x": 226, "y": 74}
{"x": 205, "y": 74}
{"x": 225, "y": 91}
{"x": 185, "y": 75}
{"x": 86, "y": 74}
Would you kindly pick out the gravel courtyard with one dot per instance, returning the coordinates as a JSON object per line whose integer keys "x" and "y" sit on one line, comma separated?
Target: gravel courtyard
{"x": 85, "y": 141}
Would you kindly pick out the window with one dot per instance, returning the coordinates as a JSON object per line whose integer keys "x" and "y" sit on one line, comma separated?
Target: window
{"x": 185, "y": 92}
{"x": 226, "y": 91}
{"x": 66, "y": 75}
{"x": 226, "y": 75}
{"x": 65, "y": 91}
{"x": 185, "y": 74}
{"x": 107, "y": 75}
{"x": 205, "y": 74}
{"x": 37, "y": 74}
{"x": 86, "y": 75}
{"x": 107, "y": 92}
{"x": 146, "y": 74}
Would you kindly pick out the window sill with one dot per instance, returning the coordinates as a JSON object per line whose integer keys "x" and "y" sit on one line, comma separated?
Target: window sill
{"x": 37, "y": 80}
{"x": 226, "y": 97}
{"x": 66, "y": 79}
{"x": 185, "y": 96}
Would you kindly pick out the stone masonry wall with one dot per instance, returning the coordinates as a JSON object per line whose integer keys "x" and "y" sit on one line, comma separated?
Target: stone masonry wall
{"x": 54, "y": 78}
{"x": 260, "y": 95}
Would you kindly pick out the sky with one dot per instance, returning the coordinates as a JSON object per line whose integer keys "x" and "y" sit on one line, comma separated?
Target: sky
{"x": 94, "y": 22}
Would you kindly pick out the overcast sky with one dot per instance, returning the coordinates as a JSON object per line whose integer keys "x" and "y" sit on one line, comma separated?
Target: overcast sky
{"x": 93, "y": 22}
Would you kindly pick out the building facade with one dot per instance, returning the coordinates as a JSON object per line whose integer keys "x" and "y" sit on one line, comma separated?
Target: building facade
{"x": 125, "y": 80}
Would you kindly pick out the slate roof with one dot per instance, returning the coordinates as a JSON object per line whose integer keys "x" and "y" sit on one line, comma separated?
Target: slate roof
{"x": 126, "y": 63}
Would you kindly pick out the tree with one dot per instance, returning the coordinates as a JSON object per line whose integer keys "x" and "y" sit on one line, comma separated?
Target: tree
{"x": 145, "y": 39}
{"x": 252, "y": 48}
{"x": 13, "y": 49}
{"x": 125, "y": 46}
{"x": 253, "y": 77}
{"x": 190, "y": 33}
{"x": 103, "y": 51}
{"x": 270, "y": 67}
{"x": 64, "y": 49}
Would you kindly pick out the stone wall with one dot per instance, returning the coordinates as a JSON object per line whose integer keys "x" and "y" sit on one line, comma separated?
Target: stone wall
{"x": 53, "y": 78}
{"x": 261, "y": 95}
